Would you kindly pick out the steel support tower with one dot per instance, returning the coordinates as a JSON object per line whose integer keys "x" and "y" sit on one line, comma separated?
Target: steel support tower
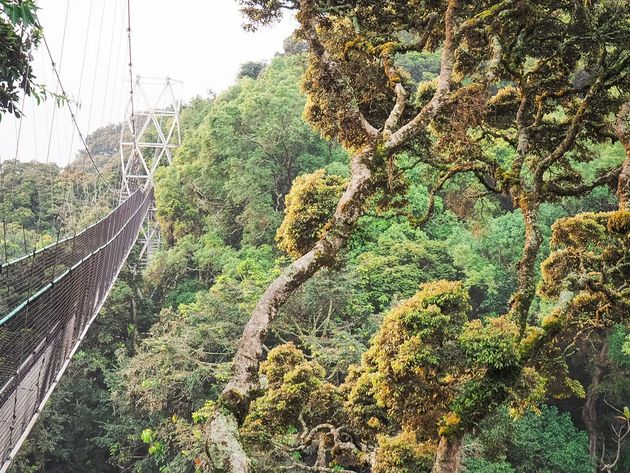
{"x": 148, "y": 138}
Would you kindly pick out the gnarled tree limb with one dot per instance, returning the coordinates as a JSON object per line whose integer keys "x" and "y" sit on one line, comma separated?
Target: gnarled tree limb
{"x": 410, "y": 130}
{"x": 244, "y": 378}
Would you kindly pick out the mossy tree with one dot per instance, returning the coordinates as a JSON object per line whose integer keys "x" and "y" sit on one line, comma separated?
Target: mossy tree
{"x": 535, "y": 86}
{"x": 340, "y": 108}
{"x": 520, "y": 73}
{"x": 622, "y": 129}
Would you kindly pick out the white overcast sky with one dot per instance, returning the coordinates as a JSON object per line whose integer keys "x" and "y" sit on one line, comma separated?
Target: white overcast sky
{"x": 199, "y": 42}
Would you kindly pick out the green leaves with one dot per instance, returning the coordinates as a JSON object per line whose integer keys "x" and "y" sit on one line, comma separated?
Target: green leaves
{"x": 19, "y": 35}
{"x": 147, "y": 436}
{"x": 20, "y": 12}
{"x": 491, "y": 344}
{"x": 547, "y": 442}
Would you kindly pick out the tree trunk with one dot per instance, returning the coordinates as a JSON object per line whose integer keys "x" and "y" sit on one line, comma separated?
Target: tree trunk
{"x": 527, "y": 265}
{"x": 623, "y": 133}
{"x": 623, "y": 188}
{"x": 235, "y": 398}
{"x": 449, "y": 455}
{"x": 223, "y": 446}
{"x": 589, "y": 411}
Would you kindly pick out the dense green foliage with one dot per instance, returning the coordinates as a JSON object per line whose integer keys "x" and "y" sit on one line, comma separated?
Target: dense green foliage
{"x": 546, "y": 442}
{"x": 235, "y": 168}
{"x": 309, "y": 205}
{"x": 400, "y": 341}
{"x": 19, "y": 35}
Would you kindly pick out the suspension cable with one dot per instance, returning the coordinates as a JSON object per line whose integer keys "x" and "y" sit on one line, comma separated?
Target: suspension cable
{"x": 74, "y": 118}
{"x": 86, "y": 41}
{"x": 63, "y": 45}
{"x": 109, "y": 62}
{"x": 133, "y": 121}
{"x": 38, "y": 230}
{"x": 119, "y": 85}
{"x": 96, "y": 64}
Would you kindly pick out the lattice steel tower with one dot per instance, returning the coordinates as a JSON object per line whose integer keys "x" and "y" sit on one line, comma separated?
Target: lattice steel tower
{"x": 148, "y": 138}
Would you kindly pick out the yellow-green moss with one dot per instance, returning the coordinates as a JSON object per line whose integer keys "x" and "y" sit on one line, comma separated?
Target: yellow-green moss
{"x": 450, "y": 424}
{"x": 585, "y": 265}
{"x": 309, "y": 206}
{"x": 493, "y": 343}
{"x": 280, "y": 361}
{"x": 619, "y": 222}
{"x": 407, "y": 369}
{"x": 292, "y": 383}
{"x": 403, "y": 454}
{"x": 528, "y": 393}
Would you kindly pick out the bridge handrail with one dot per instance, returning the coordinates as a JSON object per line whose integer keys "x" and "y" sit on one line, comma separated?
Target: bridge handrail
{"x": 20, "y": 277}
{"x": 45, "y": 288}
{"x": 40, "y": 335}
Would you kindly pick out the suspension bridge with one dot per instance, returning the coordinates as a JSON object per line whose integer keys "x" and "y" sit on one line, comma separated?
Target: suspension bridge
{"x": 50, "y": 297}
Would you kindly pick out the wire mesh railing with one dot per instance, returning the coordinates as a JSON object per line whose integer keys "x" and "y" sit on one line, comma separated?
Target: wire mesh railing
{"x": 48, "y": 301}
{"x": 24, "y": 276}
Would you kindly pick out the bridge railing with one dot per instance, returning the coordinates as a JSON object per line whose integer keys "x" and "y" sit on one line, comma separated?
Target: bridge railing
{"x": 69, "y": 284}
{"x": 19, "y": 279}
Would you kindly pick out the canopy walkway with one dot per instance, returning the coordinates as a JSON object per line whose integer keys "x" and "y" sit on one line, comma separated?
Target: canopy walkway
{"x": 48, "y": 300}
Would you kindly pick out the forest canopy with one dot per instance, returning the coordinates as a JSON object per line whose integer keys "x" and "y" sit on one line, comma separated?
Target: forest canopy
{"x": 403, "y": 245}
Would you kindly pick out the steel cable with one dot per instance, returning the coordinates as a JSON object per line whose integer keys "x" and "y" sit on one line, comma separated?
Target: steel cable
{"x": 39, "y": 334}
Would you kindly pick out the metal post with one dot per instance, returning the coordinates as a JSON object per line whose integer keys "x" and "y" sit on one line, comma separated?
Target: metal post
{"x": 148, "y": 139}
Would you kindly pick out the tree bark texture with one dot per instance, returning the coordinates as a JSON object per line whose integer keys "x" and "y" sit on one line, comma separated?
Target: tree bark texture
{"x": 623, "y": 133}
{"x": 223, "y": 446}
{"x": 527, "y": 265}
{"x": 449, "y": 455}
{"x": 589, "y": 410}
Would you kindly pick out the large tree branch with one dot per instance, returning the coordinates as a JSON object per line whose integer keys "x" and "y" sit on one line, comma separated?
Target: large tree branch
{"x": 523, "y": 132}
{"x": 223, "y": 446}
{"x": 523, "y": 297}
{"x": 397, "y": 110}
{"x": 350, "y": 207}
{"x": 410, "y": 130}
{"x": 394, "y": 77}
{"x": 557, "y": 189}
{"x": 395, "y": 81}
{"x": 310, "y": 25}
{"x": 574, "y": 128}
